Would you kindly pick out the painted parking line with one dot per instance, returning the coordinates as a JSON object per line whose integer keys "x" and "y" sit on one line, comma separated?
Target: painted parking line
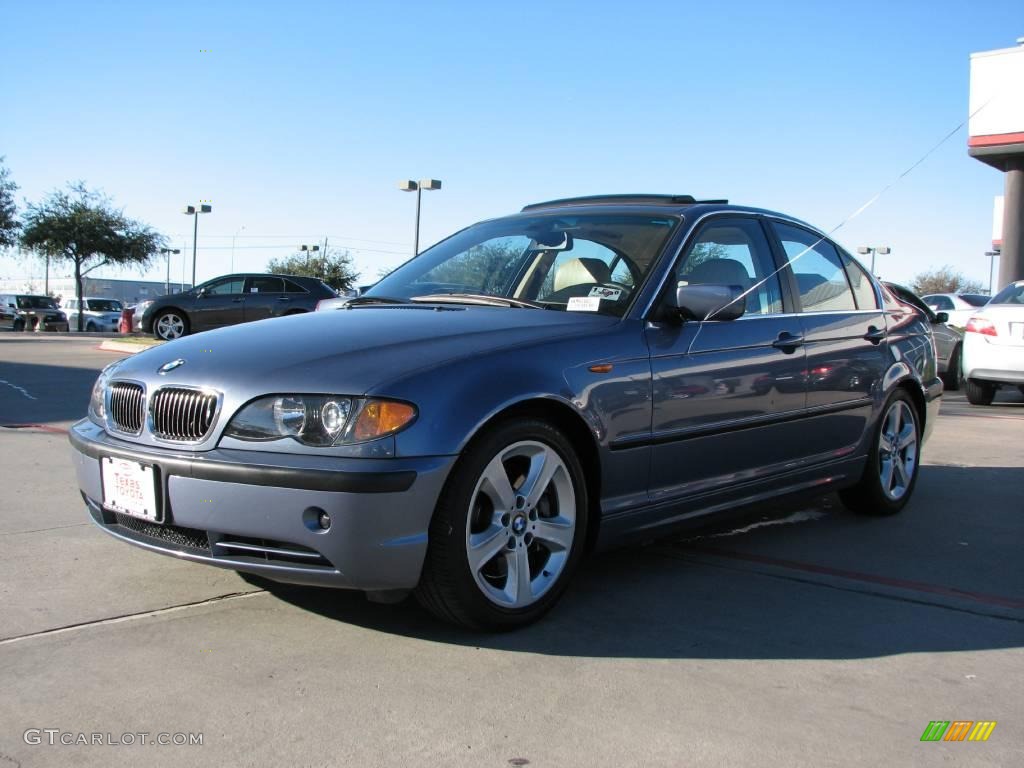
{"x": 40, "y": 427}
{"x": 868, "y": 578}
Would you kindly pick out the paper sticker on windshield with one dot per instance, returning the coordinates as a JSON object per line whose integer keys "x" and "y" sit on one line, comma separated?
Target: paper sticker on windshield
{"x": 584, "y": 304}
{"x": 612, "y": 294}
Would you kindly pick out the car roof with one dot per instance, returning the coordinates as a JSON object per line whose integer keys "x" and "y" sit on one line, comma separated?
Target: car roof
{"x": 676, "y": 205}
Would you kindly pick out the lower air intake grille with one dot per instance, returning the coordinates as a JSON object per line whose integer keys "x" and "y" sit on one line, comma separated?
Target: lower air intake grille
{"x": 182, "y": 414}
{"x": 127, "y": 405}
{"x": 172, "y": 535}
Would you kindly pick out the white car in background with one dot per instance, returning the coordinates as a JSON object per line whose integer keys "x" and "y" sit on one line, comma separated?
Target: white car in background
{"x": 97, "y": 314}
{"x": 959, "y": 306}
{"x": 993, "y": 346}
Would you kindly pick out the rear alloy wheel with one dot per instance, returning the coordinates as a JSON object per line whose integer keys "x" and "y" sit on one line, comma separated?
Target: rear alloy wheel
{"x": 509, "y": 530}
{"x": 169, "y": 326}
{"x": 891, "y": 471}
{"x": 979, "y": 392}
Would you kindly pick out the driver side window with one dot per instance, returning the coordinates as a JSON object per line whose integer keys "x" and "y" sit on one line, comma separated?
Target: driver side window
{"x": 224, "y": 287}
{"x": 734, "y": 252}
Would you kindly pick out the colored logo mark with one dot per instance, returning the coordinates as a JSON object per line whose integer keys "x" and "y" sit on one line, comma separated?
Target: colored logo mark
{"x": 958, "y": 730}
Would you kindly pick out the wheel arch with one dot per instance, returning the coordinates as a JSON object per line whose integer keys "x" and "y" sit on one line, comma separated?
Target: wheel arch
{"x": 576, "y": 429}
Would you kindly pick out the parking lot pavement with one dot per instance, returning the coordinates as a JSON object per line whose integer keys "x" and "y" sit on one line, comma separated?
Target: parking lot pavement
{"x": 799, "y": 635}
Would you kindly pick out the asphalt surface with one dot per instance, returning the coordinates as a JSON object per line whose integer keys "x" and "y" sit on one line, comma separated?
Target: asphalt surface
{"x": 799, "y": 635}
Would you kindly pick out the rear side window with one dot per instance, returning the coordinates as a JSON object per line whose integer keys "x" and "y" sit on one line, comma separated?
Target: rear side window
{"x": 265, "y": 285}
{"x": 863, "y": 290}
{"x": 820, "y": 276}
{"x": 291, "y": 287}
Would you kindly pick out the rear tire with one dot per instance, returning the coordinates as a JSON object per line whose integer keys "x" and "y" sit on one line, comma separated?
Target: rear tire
{"x": 979, "y": 392}
{"x": 893, "y": 463}
{"x": 19, "y": 325}
{"x": 509, "y": 530}
{"x": 952, "y": 377}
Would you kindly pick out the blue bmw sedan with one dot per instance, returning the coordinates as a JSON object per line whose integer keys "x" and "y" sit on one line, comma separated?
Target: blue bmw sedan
{"x": 572, "y": 377}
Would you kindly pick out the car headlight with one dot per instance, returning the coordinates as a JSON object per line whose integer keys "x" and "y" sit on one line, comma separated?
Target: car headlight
{"x": 319, "y": 420}
{"x": 97, "y": 408}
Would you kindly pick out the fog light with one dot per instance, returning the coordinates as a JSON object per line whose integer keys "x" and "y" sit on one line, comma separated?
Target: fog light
{"x": 324, "y": 520}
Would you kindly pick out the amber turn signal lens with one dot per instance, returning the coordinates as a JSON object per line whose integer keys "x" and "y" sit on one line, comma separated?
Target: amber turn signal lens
{"x": 382, "y": 417}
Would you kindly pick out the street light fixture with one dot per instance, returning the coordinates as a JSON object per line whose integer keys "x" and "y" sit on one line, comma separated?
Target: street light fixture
{"x": 991, "y": 266}
{"x": 883, "y": 250}
{"x": 167, "y": 252}
{"x": 309, "y": 250}
{"x": 191, "y": 210}
{"x": 413, "y": 186}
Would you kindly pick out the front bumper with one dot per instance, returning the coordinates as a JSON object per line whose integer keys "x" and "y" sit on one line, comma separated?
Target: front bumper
{"x": 257, "y": 512}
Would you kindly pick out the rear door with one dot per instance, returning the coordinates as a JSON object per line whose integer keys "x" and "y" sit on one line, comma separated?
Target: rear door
{"x": 844, "y": 333}
{"x": 728, "y": 395}
{"x": 264, "y": 297}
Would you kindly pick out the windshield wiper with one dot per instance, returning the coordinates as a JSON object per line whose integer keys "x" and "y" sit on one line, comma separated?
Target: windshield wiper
{"x": 374, "y": 300}
{"x": 483, "y": 299}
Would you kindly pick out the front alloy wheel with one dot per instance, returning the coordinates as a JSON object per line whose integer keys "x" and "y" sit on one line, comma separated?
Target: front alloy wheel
{"x": 169, "y": 326}
{"x": 509, "y": 529}
{"x": 522, "y": 521}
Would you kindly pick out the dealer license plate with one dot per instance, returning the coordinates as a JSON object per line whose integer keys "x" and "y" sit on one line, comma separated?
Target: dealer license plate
{"x": 129, "y": 488}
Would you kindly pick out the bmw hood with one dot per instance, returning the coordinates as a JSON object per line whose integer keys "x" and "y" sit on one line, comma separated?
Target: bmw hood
{"x": 347, "y": 351}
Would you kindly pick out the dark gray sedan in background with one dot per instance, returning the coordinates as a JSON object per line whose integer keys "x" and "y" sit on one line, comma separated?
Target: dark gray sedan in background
{"x": 229, "y": 300}
{"x": 585, "y": 373}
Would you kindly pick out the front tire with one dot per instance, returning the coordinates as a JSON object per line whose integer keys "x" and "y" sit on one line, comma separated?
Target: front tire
{"x": 509, "y": 529}
{"x": 979, "y": 392}
{"x": 891, "y": 472}
{"x": 91, "y": 327}
{"x": 170, "y": 325}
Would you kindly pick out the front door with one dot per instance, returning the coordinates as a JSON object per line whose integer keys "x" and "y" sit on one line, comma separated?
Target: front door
{"x": 728, "y": 395}
{"x": 221, "y": 302}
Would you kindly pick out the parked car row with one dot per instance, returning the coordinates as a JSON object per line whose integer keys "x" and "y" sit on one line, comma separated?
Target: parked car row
{"x": 25, "y": 312}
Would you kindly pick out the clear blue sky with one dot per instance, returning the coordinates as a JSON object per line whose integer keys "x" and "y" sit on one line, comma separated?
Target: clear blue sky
{"x": 301, "y": 118}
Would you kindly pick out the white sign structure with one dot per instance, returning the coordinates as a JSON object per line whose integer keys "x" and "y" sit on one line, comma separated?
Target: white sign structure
{"x": 997, "y": 223}
{"x": 996, "y": 106}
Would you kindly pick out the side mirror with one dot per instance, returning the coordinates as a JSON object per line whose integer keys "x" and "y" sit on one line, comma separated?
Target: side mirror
{"x": 941, "y": 317}
{"x": 717, "y": 302}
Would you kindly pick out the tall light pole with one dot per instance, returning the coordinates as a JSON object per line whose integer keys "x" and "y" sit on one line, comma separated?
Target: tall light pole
{"x": 418, "y": 186}
{"x": 191, "y": 210}
{"x": 233, "y": 247}
{"x": 167, "y": 252}
{"x": 882, "y": 250}
{"x": 991, "y": 267}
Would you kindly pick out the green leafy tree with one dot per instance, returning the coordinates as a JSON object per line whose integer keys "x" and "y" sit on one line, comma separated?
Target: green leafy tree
{"x": 332, "y": 265}
{"x": 82, "y": 227}
{"x": 944, "y": 280}
{"x": 8, "y": 210}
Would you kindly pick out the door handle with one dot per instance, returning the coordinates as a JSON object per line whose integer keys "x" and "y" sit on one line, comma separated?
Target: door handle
{"x": 787, "y": 342}
{"x": 237, "y": 301}
{"x": 283, "y": 298}
{"x": 874, "y": 335}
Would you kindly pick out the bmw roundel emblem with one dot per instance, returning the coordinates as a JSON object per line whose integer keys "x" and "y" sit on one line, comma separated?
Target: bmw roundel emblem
{"x": 168, "y": 367}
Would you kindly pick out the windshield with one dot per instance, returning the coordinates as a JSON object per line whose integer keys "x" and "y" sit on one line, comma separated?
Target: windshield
{"x": 975, "y": 299}
{"x": 589, "y": 262}
{"x": 36, "y": 302}
{"x": 104, "y": 305}
{"x": 1011, "y": 294}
